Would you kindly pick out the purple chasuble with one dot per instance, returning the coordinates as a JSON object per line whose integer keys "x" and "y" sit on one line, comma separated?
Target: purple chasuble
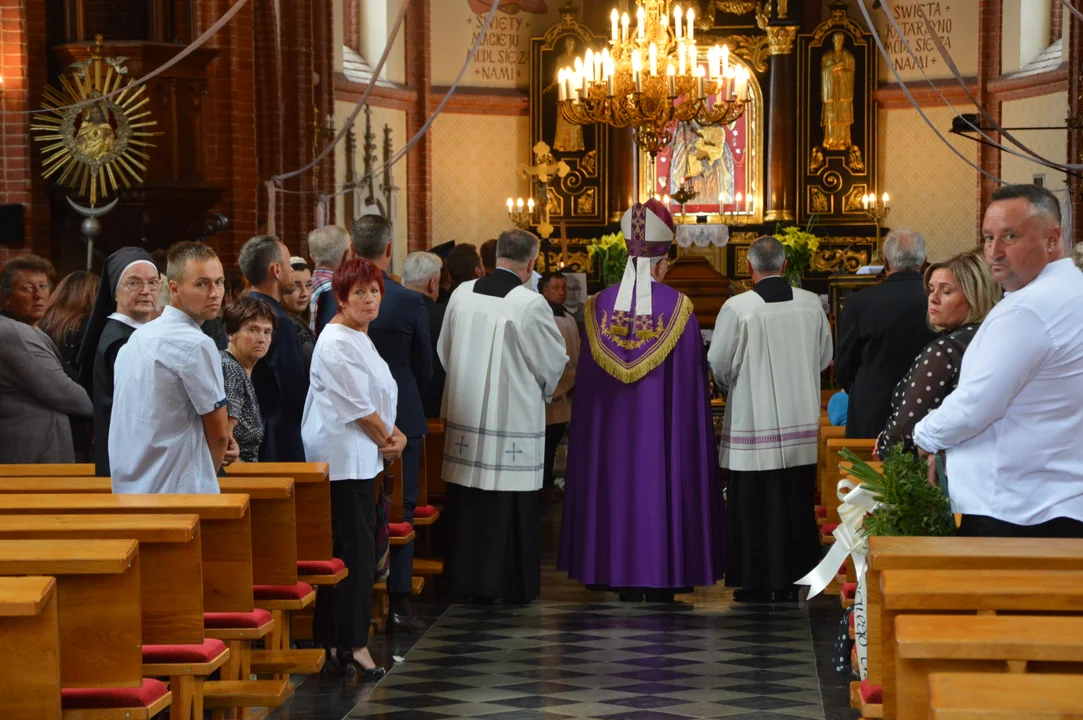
{"x": 643, "y": 502}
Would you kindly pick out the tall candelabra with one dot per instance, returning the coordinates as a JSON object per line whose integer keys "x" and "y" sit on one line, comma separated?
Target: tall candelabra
{"x": 521, "y": 214}
{"x": 876, "y": 209}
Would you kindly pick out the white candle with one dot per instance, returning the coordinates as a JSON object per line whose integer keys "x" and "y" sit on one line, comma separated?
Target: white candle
{"x": 609, "y": 77}
{"x": 671, "y": 72}
{"x": 530, "y": 205}
{"x": 691, "y": 24}
{"x": 652, "y": 55}
{"x": 511, "y": 204}
{"x": 615, "y": 18}
{"x": 562, "y": 89}
{"x": 588, "y": 64}
{"x": 641, "y": 26}
{"x": 885, "y": 199}
{"x": 519, "y": 204}
{"x": 693, "y": 58}
{"x": 700, "y": 73}
{"x": 624, "y": 20}
{"x": 865, "y": 202}
{"x": 598, "y": 76}
{"x": 725, "y": 60}
{"x": 677, "y": 21}
{"x": 681, "y": 52}
{"x": 665, "y": 21}
{"x": 737, "y": 202}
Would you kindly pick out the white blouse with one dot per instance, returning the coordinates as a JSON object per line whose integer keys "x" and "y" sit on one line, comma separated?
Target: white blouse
{"x": 349, "y": 380}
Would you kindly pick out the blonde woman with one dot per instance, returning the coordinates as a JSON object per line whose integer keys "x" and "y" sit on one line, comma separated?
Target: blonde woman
{"x": 961, "y": 292}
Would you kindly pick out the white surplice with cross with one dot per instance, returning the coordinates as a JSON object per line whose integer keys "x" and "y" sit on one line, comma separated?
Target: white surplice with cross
{"x": 504, "y": 358}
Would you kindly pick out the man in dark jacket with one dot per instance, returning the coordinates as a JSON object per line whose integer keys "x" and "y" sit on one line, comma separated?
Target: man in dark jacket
{"x": 882, "y": 330}
{"x": 401, "y": 335}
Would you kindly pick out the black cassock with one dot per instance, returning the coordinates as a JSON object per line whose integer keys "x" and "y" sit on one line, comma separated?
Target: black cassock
{"x": 114, "y": 336}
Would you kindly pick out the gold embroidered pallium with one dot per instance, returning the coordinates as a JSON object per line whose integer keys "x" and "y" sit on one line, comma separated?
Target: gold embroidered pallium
{"x": 642, "y": 336}
{"x": 663, "y": 336}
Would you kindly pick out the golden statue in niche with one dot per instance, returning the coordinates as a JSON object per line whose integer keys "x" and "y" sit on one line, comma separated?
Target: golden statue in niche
{"x": 96, "y": 138}
{"x": 837, "y": 93}
{"x": 568, "y": 137}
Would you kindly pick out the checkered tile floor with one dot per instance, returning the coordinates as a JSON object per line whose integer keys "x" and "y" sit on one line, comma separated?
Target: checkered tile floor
{"x": 606, "y": 660}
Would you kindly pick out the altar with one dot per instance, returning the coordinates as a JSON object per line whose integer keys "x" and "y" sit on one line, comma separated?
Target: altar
{"x": 766, "y": 169}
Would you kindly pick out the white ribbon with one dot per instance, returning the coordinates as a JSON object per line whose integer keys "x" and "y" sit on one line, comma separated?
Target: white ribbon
{"x": 643, "y": 288}
{"x": 623, "y": 302}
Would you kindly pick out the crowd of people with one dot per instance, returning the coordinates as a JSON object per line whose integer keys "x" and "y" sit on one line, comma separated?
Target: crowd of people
{"x": 165, "y": 371}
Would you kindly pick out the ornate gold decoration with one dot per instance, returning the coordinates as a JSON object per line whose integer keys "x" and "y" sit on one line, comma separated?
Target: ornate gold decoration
{"x": 621, "y": 88}
{"x": 763, "y": 15}
{"x": 854, "y": 160}
{"x": 779, "y": 216}
{"x": 736, "y": 7}
{"x": 852, "y": 202}
{"x": 816, "y": 160}
{"x": 618, "y": 333}
{"x": 780, "y": 38}
{"x": 584, "y": 204}
{"x": 819, "y": 201}
{"x": 94, "y": 145}
{"x": 589, "y": 164}
{"x": 833, "y": 260}
{"x": 743, "y": 238}
{"x": 837, "y": 71}
{"x": 630, "y": 372}
{"x": 837, "y": 20}
{"x": 755, "y": 49}
{"x": 539, "y": 174}
{"x": 556, "y": 203}
{"x": 783, "y": 9}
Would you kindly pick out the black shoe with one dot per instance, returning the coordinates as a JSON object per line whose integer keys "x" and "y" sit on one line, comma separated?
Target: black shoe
{"x": 630, "y": 596}
{"x": 407, "y": 623}
{"x": 659, "y": 596}
{"x": 346, "y": 660}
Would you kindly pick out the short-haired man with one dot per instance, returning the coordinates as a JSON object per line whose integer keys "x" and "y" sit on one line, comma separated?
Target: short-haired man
{"x": 487, "y": 251}
{"x": 464, "y": 265}
{"x": 421, "y": 273}
{"x": 553, "y": 286}
{"x": 280, "y": 378}
{"x": 1011, "y": 427}
{"x": 882, "y": 330}
{"x": 768, "y": 350}
{"x": 327, "y": 246}
{"x": 169, "y": 429}
{"x": 401, "y": 335}
{"x": 504, "y": 357}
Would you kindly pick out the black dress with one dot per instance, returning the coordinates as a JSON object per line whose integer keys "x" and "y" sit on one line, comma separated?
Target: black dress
{"x": 113, "y": 338}
{"x": 934, "y": 374}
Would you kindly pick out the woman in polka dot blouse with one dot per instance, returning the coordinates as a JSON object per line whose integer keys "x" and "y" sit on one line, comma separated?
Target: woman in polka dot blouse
{"x": 961, "y": 293}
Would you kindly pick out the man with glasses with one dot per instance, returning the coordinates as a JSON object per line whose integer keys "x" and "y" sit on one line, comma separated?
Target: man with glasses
{"x": 169, "y": 430}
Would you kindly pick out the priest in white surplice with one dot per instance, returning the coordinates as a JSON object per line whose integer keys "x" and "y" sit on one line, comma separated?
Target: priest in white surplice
{"x": 504, "y": 356}
{"x": 768, "y": 350}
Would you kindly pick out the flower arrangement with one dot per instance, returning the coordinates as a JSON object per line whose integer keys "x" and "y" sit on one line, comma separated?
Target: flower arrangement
{"x": 800, "y": 246}
{"x": 609, "y": 255}
{"x": 907, "y": 505}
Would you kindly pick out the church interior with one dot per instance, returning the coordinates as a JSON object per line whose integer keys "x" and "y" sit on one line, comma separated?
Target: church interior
{"x": 827, "y": 124}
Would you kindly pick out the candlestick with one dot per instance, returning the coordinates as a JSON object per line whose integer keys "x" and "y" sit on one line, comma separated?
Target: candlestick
{"x": 652, "y": 55}
{"x": 511, "y": 204}
{"x": 671, "y": 72}
{"x": 588, "y": 64}
{"x": 677, "y": 21}
{"x": 641, "y": 25}
{"x": 693, "y": 58}
{"x": 885, "y": 199}
{"x": 615, "y": 18}
{"x": 665, "y": 21}
{"x": 624, "y": 28}
{"x": 562, "y": 89}
{"x": 519, "y": 203}
{"x": 700, "y": 72}
{"x": 725, "y": 60}
{"x": 691, "y": 17}
{"x": 865, "y": 202}
{"x": 637, "y": 69}
{"x": 681, "y": 52}
{"x": 530, "y": 205}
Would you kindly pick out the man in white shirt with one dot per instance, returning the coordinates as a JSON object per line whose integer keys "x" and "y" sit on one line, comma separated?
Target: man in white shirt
{"x": 504, "y": 357}
{"x": 170, "y": 429}
{"x": 1011, "y": 427}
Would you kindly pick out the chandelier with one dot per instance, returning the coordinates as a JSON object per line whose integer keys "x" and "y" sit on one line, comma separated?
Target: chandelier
{"x": 652, "y": 75}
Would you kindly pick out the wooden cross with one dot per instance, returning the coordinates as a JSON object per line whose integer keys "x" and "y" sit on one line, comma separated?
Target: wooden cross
{"x": 545, "y": 167}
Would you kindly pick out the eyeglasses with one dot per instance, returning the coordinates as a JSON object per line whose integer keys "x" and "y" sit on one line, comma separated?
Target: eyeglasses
{"x": 136, "y": 285}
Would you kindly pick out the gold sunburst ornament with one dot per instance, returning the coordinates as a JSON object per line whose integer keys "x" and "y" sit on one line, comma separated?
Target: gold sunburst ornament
{"x": 96, "y": 147}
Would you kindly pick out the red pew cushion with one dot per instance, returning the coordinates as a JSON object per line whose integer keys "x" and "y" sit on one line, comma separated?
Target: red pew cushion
{"x": 256, "y": 618}
{"x": 400, "y": 529}
{"x": 821, "y": 512}
{"x": 849, "y": 590}
{"x": 167, "y": 654}
{"x": 85, "y": 698}
{"x": 871, "y": 694}
{"x": 320, "y": 567}
{"x": 424, "y": 511}
{"x": 296, "y": 591}
{"x": 827, "y": 529}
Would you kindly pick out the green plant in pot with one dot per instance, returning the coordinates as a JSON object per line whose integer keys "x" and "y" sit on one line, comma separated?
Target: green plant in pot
{"x": 608, "y": 257}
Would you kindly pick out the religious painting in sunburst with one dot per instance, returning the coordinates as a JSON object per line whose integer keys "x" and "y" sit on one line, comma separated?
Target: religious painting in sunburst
{"x": 96, "y": 147}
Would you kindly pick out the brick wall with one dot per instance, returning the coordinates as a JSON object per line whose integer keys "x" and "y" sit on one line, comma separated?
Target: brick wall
{"x": 268, "y": 102}
{"x": 298, "y": 102}
{"x": 419, "y": 160}
{"x": 22, "y": 65}
{"x": 352, "y": 25}
{"x": 324, "y": 66}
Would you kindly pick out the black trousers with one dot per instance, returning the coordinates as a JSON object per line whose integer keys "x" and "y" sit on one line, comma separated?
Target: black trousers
{"x": 983, "y": 526}
{"x": 343, "y": 612}
{"x": 553, "y": 435}
{"x": 402, "y": 556}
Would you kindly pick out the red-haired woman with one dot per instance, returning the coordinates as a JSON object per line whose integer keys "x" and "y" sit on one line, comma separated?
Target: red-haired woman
{"x": 349, "y": 423}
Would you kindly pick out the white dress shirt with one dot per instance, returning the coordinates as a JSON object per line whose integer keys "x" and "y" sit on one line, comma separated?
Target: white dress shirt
{"x": 1012, "y": 427}
{"x": 349, "y": 381}
{"x": 166, "y": 378}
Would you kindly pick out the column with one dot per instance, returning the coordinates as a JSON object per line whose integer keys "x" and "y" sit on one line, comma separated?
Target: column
{"x": 419, "y": 160}
{"x": 990, "y": 16}
{"x": 1075, "y": 123}
{"x": 780, "y": 192}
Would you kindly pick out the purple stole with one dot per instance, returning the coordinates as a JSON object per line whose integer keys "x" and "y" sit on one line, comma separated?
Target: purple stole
{"x": 629, "y": 357}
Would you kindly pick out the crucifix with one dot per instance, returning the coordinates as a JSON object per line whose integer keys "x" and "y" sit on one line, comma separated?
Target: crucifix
{"x": 539, "y": 175}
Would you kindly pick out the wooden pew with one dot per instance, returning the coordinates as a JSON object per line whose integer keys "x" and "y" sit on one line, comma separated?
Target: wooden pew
{"x": 48, "y": 470}
{"x": 29, "y": 631}
{"x": 996, "y": 644}
{"x": 981, "y": 696}
{"x": 952, "y": 591}
{"x": 97, "y": 584}
{"x": 434, "y": 461}
{"x": 171, "y": 577}
{"x": 225, "y": 530}
{"x": 954, "y": 553}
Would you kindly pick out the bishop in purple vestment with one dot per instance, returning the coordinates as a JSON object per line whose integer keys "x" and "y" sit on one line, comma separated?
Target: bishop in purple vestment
{"x": 643, "y": 509}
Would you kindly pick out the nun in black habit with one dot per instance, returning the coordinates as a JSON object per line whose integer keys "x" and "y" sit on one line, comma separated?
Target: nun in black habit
{"x": 127, "y": 299}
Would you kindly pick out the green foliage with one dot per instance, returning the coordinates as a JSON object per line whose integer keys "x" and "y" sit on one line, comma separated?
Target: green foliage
{"x": 609, "y": 255}
{"x": 910, "y": 507}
